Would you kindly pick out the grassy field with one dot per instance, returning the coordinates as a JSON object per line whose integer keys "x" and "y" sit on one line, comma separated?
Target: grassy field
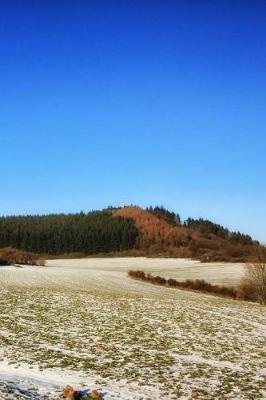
{"x": 84, "y": 322}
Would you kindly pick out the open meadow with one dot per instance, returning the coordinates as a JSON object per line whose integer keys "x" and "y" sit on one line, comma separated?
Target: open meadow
{"x": 85, "y": 322}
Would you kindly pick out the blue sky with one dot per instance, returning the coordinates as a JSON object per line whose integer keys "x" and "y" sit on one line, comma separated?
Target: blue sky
{"x": 117, "y": 102}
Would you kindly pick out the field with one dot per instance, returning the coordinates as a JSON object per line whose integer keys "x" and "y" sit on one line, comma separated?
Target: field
{"x": 85, "y": 323}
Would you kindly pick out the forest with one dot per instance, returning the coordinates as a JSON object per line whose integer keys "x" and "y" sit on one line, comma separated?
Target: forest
{"x": 154, "y": 231}
{"x": 86, "y": 233}
{"x": 207, "y": 228}
{"x": 204, "y": 226}
{"x": 162, "y": 233}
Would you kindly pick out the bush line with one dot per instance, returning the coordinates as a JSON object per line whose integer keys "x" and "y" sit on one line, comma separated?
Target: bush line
{"x": 198, "y": 285}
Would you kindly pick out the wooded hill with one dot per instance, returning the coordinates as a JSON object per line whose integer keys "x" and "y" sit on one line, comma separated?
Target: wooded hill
{"x": 126, "y": 231}
{"x": 162, "y": 233}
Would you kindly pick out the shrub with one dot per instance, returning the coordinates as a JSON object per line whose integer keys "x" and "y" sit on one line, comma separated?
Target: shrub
{"x": 9, "y": 256}
{"x": 137, "y": 274}
{"x": 253, "y": 285}
{"x": 198, "y": 284}
{"x": 246, "y": 291}
{"x": 172, "y": 283}
{"x": 158, "y": 280}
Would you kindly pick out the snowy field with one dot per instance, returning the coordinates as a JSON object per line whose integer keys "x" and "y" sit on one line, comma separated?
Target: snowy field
{"x": 84, "y": 322}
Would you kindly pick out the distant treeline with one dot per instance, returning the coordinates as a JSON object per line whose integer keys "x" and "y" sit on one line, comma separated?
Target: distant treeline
{"x": 204, "y": 226}
{"x": 154, "y": 231}
{"x": 208, "y": 228}
{"x": 87, "y": 233}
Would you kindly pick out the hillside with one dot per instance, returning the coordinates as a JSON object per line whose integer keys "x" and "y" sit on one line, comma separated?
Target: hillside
{"x": 159, "y": 237}
{"x": 126, "y": 231}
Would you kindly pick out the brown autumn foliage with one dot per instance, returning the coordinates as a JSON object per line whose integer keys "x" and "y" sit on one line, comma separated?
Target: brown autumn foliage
{"x": 253, "y": 285}
{"x": 197, "y": 285}
{"x": 10, "y": 256}
{"x": 156, "y": 235}
{"x": 252, "y": 288}
{"x": 159, "y": 238}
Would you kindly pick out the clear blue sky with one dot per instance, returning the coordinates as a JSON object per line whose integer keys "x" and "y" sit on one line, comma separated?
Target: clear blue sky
{"x": 144, "y": 102}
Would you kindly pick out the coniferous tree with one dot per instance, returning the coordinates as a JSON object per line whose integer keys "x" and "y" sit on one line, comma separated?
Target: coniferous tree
{"x": 95, "y": 232}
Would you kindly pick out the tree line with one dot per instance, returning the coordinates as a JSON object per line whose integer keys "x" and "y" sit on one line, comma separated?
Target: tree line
{"x": 155, "y": 230}
{"x": 208, "y": 228}
{"x": 87, "y": 233}
{"x": 168, "y": 216}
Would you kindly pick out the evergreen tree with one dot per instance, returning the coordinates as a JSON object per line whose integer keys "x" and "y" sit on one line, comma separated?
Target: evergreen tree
{"x": 91, "y": 233}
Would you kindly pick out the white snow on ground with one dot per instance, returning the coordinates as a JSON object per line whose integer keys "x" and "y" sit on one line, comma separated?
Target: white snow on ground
{"x": 194, "y": 359}
{"x": 85, "y": 323}
{"x": 53, "y": 380}
{"x": 98, "y": 270}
